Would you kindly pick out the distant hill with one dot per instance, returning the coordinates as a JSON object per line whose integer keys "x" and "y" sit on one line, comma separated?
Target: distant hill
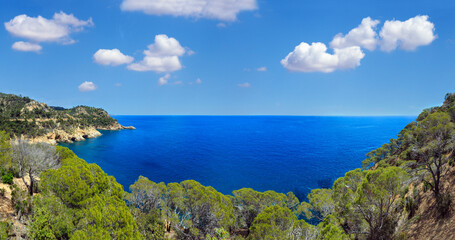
{"x": 27, "y": 118}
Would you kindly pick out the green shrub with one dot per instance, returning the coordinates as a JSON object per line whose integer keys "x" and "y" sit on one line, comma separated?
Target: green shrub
{"x": 411, "y": 206}
{"x": 21, "y": 201}
{"x": 401, "y": 236}
{"x": 444, "y": 203}
{"x": 41, "y": 227}
{"x": 451, "y": 162}
{"x": 82, "y": 202}
{"x": 405, "y": 191}
{"x": 426, "y": 186}
{"x": 6, "y": 229}
{"x": 7, "y": 178}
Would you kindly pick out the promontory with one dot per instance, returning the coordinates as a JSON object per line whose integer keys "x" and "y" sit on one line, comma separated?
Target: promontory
{"x": 26, "y": 118}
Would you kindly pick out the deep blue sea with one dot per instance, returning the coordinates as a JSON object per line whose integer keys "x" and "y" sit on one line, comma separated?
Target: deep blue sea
{"x": 281, "y": 153}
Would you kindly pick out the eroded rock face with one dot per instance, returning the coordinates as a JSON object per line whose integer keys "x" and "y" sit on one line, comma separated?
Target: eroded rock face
{"x": 31, "y": 106}
{"x": 117, "y": 126}
{"x": 76, "y": 135}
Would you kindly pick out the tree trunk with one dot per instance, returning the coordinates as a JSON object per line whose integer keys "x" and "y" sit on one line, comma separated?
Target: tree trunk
{"x": 25, "y": 183}
{"x": 30, "y": 190}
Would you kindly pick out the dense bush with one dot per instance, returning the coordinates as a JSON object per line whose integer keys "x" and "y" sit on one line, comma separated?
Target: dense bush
{"x": 6, "y": 229}
{"x": 7, "y": 178}
{"x": 84, "y": 203}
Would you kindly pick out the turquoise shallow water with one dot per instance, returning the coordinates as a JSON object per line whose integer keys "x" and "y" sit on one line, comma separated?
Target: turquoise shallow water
{"x": 281, "y": 153}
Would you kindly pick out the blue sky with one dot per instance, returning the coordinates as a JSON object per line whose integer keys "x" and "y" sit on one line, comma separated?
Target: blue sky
{"x": 407, "y": 68}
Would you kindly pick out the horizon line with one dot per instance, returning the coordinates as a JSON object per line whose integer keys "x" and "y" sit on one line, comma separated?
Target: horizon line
{"x": 262, "y": 115}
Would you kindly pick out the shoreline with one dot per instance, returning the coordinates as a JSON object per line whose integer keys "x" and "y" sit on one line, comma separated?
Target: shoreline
{"x": 77, "y": 135}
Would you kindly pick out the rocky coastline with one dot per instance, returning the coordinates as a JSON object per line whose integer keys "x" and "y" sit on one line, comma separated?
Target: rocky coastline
{"x": 76, "y": 135}
{"x": 25, "y": 118}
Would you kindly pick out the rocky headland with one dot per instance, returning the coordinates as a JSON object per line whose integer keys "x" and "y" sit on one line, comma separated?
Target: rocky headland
{"x": 25, "y": 118}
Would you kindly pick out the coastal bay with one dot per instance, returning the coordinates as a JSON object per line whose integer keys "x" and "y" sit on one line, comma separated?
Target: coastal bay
{"x": 280, "y": 153}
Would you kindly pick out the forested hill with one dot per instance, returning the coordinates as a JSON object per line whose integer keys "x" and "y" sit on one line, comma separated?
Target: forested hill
{"x": 22, "y": 116}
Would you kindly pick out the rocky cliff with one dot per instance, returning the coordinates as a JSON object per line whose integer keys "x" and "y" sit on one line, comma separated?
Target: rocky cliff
{"x": 23, "y": 117}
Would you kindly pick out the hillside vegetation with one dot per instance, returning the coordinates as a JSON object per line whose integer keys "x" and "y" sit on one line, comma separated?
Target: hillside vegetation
{"x": 22, "y": 116}
{"x": 404, "y": 191}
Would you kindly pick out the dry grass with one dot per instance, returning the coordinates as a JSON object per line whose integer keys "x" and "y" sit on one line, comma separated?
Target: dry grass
{"x": 427, "y": 223}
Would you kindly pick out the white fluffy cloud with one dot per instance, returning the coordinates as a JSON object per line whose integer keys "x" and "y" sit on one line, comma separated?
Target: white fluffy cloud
{"x": 39, "y": 29}
{"x": 314, "y": 58}
{"x": 164, "y": 79}
{"x": 225, "y": 10}
{"x": 87, "y": 87}
{"x": 407, "y": 35}
{"x": 347, "y": 49}
{"x": 26, "y": 47}
{"x": 111, "y": 57}
{"x": 161, "y": 56}
{"x": 363, "y": 36}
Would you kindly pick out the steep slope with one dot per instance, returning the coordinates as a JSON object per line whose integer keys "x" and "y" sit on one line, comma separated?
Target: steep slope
{"x": 426, "y": 150}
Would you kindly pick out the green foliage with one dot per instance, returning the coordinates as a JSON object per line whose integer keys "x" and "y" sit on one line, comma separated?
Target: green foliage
{"x": 41, "y": 227}
{"x": 426, "y": 186}
{"x": 11, "y": 105}
{"x": 90, "y": 116}
{"x": 23, "y": 116}
{"x": 449, "y": 99}
{"x": 85, "y": 203}
{"x": 6, "y": 229}
{"x": 273, "y": 222}
{"x": 402, "y": 236}
{"x": 76, "y": 182}
{"x": 411, "y": 205}
{"x": 18, "y": 128}
{"x": 220, "y": 234}
{"x": 292, "y": 201}
{"x": 365, "y": 200}
{"x": 376, "y": 199}
{"x": 6, "y": 175}
{"x": 434, "y": 144}
{"x": 249, "y": 203}
{"x": 425, "y": 114}
{"x": 444, "y": 203}
{"x": 330, "y": 229}
{"x": 7, "y": 178}
{"x": 146, "y": 195}
{"x": 149, "y": 224}
{"x": 411, "y": 202}
{"x": 21, "y": 201}
{"x": 64, "y": 153}
{"x": 320, "y": 204}
{"x": 344, "y": 195}
{"x": 5, "y": 150}
{"x": 203, "y": 209}
{"x": 377, "y": 155}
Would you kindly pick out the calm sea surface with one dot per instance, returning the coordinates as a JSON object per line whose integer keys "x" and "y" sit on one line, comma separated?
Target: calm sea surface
{"x": 281, "y": 153}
